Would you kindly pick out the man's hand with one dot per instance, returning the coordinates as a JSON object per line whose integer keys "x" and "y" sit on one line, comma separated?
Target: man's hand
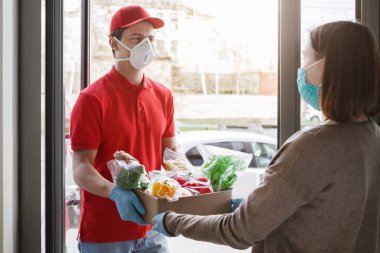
{"x": 159, "y": 225}
{"x": 129, "y": 206}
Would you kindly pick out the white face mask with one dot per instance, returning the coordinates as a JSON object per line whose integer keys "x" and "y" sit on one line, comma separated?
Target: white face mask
{"x": 140, "y": 56}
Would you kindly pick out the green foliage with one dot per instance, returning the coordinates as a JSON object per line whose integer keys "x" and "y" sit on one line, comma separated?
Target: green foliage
{"x": 222, "y": 171}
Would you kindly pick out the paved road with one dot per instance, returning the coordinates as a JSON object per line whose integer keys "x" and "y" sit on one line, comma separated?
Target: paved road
{"x": 177, "y": 245}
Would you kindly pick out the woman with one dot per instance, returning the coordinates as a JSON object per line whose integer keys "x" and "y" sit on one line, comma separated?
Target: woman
{"x": 320, "y": 192}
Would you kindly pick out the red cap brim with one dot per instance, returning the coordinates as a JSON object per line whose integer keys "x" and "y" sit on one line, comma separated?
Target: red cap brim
{"x": 156, "y": 22}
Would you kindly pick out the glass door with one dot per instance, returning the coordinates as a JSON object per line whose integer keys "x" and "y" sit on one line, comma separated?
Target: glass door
{"x": 223, "y": 75}
{"x": 313, "y": 14}
{"x": 72, "y": 85}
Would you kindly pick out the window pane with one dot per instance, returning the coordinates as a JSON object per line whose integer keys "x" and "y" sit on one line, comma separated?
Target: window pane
{"x": 71, "y": 82}
{"x": 313, "y": 14}
{"x": 221, "y": 67}
{"x": 224, "y": 75}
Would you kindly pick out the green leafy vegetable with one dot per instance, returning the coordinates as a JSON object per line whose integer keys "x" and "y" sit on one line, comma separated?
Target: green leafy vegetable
{"x": 128, "y": 178}
{"x": 222, "y": 171}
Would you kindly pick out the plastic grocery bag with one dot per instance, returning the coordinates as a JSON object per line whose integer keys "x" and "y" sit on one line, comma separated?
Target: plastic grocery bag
{"x": 164, "y": 187}
{"x": 174, "y": 161}
{"x": 178, "y": 164}
{"x": 188, "y": 176}
{"x": 128, "y": 176}
{"x": 223, "y": 166}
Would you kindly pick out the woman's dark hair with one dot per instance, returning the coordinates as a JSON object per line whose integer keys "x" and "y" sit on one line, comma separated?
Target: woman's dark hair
{"x": 351, "y": 77}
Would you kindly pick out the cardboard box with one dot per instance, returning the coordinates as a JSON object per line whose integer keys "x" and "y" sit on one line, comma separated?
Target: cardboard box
{"x": 204, "y": 204}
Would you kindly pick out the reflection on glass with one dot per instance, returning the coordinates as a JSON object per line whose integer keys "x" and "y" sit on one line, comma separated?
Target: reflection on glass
{"x": 222, "y": 75}
{"x": 71, "y": 85}
{"x": 313, "y": 14}
{"x": 220, "y": 65}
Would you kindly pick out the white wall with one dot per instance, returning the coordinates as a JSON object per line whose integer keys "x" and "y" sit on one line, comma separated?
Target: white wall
{"x": 8, "y": 67}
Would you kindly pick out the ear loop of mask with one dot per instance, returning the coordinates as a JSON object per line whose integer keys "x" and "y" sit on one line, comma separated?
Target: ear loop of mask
{"x": 312, "y": 65}
{"x": 122, "y": 44}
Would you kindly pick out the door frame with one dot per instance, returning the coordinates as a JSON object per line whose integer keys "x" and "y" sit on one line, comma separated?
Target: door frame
{"x": 27, "y": 176}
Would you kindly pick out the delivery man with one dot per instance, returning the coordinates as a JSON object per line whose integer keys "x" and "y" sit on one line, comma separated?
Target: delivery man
{"x": 123, "y": 110}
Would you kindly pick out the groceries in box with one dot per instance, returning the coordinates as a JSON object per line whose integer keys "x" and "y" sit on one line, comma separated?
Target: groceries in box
{"x": 179, "y": 178}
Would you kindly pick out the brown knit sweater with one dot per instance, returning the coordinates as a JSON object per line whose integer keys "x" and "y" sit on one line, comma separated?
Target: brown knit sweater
{"x": 320, "y": 193}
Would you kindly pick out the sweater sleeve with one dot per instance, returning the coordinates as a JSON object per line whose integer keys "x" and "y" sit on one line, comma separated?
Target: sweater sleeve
{"x": 265, "y": 209}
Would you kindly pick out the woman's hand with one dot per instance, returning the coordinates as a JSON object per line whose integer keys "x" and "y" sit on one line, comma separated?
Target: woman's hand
{"x": 159, "y": 224}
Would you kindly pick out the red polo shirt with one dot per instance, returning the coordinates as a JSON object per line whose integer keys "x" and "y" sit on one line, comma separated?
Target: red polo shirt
{"x": 113, "y": 114}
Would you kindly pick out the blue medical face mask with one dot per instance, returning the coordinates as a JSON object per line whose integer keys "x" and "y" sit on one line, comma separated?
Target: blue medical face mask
{"x": 309, "y": 92}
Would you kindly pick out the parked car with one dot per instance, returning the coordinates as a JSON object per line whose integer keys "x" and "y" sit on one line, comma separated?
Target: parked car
{"x": 312, "y": 114}
{"x": 262, "y": 147}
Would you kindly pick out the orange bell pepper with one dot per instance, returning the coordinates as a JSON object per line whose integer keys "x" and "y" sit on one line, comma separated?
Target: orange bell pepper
{"x": 163, "y": 189}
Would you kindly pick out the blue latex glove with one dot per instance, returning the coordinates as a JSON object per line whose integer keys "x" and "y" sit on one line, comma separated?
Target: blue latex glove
{"x": 128, "y": 204}
{"x": 159, "y": 226}
{"x": 235, "y": 203}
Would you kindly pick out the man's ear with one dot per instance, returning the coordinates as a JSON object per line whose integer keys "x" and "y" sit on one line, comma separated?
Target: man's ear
{"x": 113, "y": 43}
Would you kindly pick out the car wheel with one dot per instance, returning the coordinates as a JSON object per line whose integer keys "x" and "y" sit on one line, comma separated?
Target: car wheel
{"x": 315, "y": 120}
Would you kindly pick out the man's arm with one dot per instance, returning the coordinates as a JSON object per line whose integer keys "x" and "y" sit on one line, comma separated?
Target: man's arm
{"x": 86, "y": 176}
{"x": 170, "y": 143}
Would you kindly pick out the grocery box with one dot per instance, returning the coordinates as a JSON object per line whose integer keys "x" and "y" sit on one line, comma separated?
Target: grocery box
{"x": 203, "y": 204}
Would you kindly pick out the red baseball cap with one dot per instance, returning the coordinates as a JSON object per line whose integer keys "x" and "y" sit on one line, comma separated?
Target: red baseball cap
{"x": 132, "y": 14}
